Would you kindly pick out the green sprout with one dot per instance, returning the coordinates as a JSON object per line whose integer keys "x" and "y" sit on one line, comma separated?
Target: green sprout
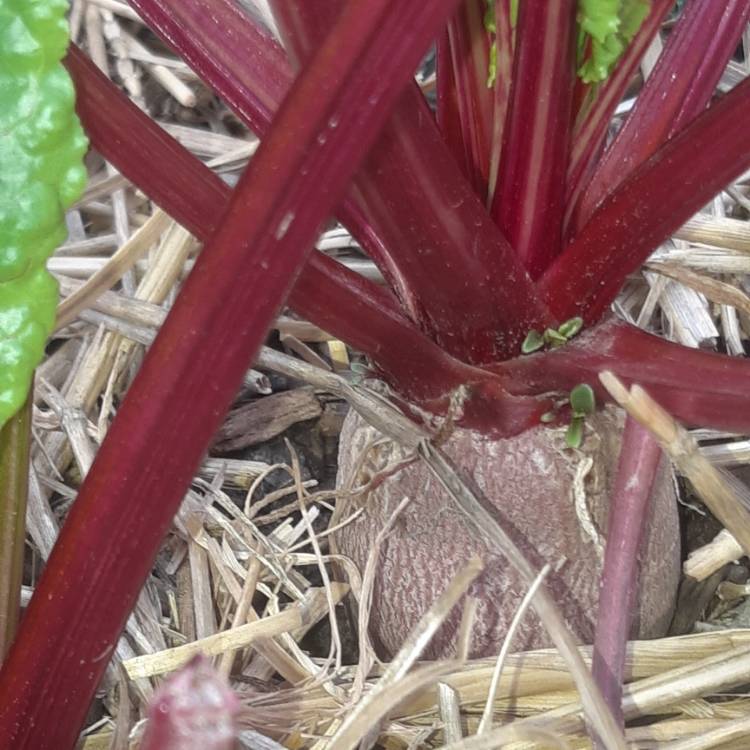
{"x": 571, "y": 328}
{"x": 533, "y": 342}
{"x": 551, "y": 337}
{"x": 582, "y": 403}
{"x": 554, "y": 338}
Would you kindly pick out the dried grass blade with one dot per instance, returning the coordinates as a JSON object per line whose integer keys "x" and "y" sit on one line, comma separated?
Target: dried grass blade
{"x": 715, "y": 290}
{"x": 511, "y": 733}
{"x": 713, "y": 674}
{"x": 731, "y": 730}
{"x": 291, "y": 618}
{"x": 486, "y": 723}
{"x": 114, "y": 269}
{"x": 379, "y": 700}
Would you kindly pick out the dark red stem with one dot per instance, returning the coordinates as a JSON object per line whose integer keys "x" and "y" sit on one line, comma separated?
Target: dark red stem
{"x": 600, "y": 103}
{"x": 466, "y": 57}
{"x": 529, "y": 202}
{"x": 505, "y": 48}
{"x": 628, "y": 514}
{"x": 196, "y": 364}
{"x": 446, "y": 105}
{"x": 697, "y": 387}
{"x": 678, "y": 89}
{"x": 660, "y": 196}
{"x": 339, "y": 301}
{"x": 410, "y": 191}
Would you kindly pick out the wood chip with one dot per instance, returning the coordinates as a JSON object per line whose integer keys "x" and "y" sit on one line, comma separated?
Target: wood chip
{"x": 264, "y": 418}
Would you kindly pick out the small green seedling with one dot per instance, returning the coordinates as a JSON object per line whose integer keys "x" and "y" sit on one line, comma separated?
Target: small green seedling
{"x": 554, "y": 338}
{"x": 551, "y": 337}
{"x": 582, "y": 402}
{"x": 533, "y": 342}
{"x": 571, "y": 328}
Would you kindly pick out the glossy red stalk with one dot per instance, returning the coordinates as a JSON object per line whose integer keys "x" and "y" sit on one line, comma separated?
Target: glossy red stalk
{"x": 678, "y": 89}
{"x": 529, "y": 202}
{"x": 248, "y": 69}
{"x": 196, "y": 197}
{"x": 126, "y": 503}
{"x": 697, "y": 387}
{"x": 338, "y": 300}
{"x": 629, "y": 509}
{"x": 466, "y": 58}
{"x": 595, "y": 115}
{"x": 413, "y": 195}
{"x": 660, "y": 196}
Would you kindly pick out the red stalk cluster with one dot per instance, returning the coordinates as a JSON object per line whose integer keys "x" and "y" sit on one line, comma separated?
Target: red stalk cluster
{"x": 428, "y": 242}
{"x": 249, "y": 264}
{"x": 460, "y": 300}
{"x": 678, "y": 90}
{"x": 529, "y": 202}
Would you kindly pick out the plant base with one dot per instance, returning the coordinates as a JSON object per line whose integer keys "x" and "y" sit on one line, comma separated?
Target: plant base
{"x": 553, "y": 501}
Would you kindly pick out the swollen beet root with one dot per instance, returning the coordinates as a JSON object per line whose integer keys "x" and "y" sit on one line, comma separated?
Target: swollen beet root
{"x": 551, "y": 499}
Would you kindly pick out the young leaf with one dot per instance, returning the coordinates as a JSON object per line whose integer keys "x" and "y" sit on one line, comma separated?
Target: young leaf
{"x": 553, "y": 337}
{"x": 611, "y": 25}
{"x": 533, "y": 342}
{"x": 571, "y": 327}
{"x": 582, "y": 400}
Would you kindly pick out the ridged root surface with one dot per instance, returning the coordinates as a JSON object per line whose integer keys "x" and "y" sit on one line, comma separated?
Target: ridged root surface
{"x": 552, "y": 500}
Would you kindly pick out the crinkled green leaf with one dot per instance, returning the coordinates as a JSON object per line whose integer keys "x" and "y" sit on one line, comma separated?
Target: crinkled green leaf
{"x": 41, "y": 174}
{"x": 609, "y": 25}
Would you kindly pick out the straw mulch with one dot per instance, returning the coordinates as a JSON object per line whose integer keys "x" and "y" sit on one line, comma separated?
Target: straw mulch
{"x": 245, "y": 575}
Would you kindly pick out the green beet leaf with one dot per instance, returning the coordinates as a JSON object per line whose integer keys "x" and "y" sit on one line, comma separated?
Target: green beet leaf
{"x": 41, "y": 174}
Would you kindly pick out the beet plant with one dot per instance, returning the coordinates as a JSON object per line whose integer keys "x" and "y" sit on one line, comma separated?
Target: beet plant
{"x": 504, "y": 225}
